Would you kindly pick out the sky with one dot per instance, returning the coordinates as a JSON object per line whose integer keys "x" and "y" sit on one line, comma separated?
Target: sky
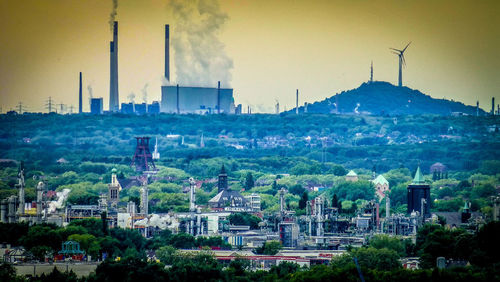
{"x": 264, "y": 49}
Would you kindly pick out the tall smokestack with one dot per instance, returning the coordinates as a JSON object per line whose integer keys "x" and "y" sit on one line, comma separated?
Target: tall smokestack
{"x": 113, "y": 66}
{"x": 80, "y": 95}
{"x": 218, "y": 97}
{"x": 297, "y": 102}
{"x": 167, "y": 52}
{"x": 477, "y": 108}
{"x": 178, "y": 107}
{"x": 493, "y": 105}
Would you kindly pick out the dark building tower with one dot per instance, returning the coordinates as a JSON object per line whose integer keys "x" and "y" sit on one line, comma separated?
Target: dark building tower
{"x": 113, "y": 71}
{"x": 143, "y": 160}
{"x": 80, "y": 95}
{"x": 419, "y": 195}
{"x": 222, "y": 185}
{"x": 167, "y": 52}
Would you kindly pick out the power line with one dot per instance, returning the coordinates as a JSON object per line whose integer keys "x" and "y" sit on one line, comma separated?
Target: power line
{"x": 62, "y": 107}
{"x": 49, "y": 104}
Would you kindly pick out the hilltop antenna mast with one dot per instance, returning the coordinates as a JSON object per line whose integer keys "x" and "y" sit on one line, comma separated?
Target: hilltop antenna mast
{"x": 371, "y": 73}
{"x": 402, "y": 62}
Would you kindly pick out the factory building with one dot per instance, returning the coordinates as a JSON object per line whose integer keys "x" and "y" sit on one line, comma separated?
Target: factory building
{"x": 196, "y": 100}
{"x": 96, "y": 106}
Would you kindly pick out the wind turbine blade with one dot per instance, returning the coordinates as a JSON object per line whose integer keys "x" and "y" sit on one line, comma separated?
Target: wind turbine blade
{"x": 404, "y": 61}
{"x": 406, "y": 46}
{"x": 395, "y": 49}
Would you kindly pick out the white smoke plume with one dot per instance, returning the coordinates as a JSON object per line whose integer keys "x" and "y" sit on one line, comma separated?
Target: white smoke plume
{"x": 131, "y": 97}
{"x": 145, "y": 93}
{"x": 61, "y": 198}
{"x": 90, "y": 90}
{"x": 199, "y": 55}
{"x": 113, "y": 14}
{"x": 91, "y": 93}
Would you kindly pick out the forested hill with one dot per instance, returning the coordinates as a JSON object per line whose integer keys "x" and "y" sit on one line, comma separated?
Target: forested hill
{"x": 381, "y": 98}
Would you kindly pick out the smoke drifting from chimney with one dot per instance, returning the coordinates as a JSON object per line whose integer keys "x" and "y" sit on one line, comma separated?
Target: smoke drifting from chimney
{"x": 131, "y": 97}
{"x": 145, "y": 93}
{"x": 113, "y": 14}
{"x": 199, "y": 55}
{"x": 91, "y": 93}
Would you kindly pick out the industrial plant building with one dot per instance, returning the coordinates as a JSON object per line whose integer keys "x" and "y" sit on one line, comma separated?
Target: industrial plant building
{"x": 196, "y": 100}
{"x": 192, "y": 99}
{"x": 96, "y": 106}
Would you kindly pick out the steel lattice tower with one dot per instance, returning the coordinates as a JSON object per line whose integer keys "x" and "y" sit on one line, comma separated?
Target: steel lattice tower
{"x": 143, "y": 160}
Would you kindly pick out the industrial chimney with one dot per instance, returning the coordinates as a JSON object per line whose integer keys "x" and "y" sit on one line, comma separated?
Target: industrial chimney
{"x": 113, "y": 66}
{"x": 297, "y": 102}
{"x": 218, "y": 97}
{"x": 80, "y": 95}
{"x": 167, "y": 52}
{"x": 493, "y": 105}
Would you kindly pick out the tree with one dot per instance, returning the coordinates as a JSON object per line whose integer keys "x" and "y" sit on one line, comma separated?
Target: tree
{"x": 88, "y": 243}
{"x": 269, "y": 248}
{"x": 303, "y": 200}
{"x": 167, "y": 254}
{"x": 371, "y": 258}
{"x": 335, "y": 201}
{"x": 8, "y": 272}
{"x": 297, "y": 189}
{"x": 249, "y": 182}
{"x": 391, "y": 243}
{"x": 245, "y": 219}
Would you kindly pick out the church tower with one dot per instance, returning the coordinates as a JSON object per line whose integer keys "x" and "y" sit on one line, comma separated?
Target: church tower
{"x": 114, "y": 189}
{"x": 222, "y": 185}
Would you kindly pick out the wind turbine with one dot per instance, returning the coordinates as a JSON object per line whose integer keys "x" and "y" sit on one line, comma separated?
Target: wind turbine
{"x": 402, "y": 62}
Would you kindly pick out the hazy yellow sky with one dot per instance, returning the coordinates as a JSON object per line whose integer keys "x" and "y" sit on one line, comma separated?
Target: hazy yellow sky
{"x": 320, "y": 47}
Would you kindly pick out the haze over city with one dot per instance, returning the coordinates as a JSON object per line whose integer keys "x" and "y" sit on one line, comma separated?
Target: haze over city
{"x": 263, "y": 49}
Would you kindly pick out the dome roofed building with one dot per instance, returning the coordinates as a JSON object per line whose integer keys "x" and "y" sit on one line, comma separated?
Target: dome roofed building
{"x": 351, "y": 176}
{"x": 381, "y": 186}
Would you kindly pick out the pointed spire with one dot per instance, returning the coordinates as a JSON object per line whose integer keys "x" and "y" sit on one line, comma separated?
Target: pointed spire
{"x": 419, "y": 177}
{"x": 223, "y": 170}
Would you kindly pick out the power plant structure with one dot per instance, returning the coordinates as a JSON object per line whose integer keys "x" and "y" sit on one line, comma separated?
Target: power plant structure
{"x": 196, "y": 100}
{"x": 167, "y": 52}
{"x": 113, "y": 71}
{"x": 193, "y": 99}
{"x": 80, "y": 95}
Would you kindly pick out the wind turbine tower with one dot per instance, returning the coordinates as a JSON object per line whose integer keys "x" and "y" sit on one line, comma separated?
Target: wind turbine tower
{"x": 402, "y": 62}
